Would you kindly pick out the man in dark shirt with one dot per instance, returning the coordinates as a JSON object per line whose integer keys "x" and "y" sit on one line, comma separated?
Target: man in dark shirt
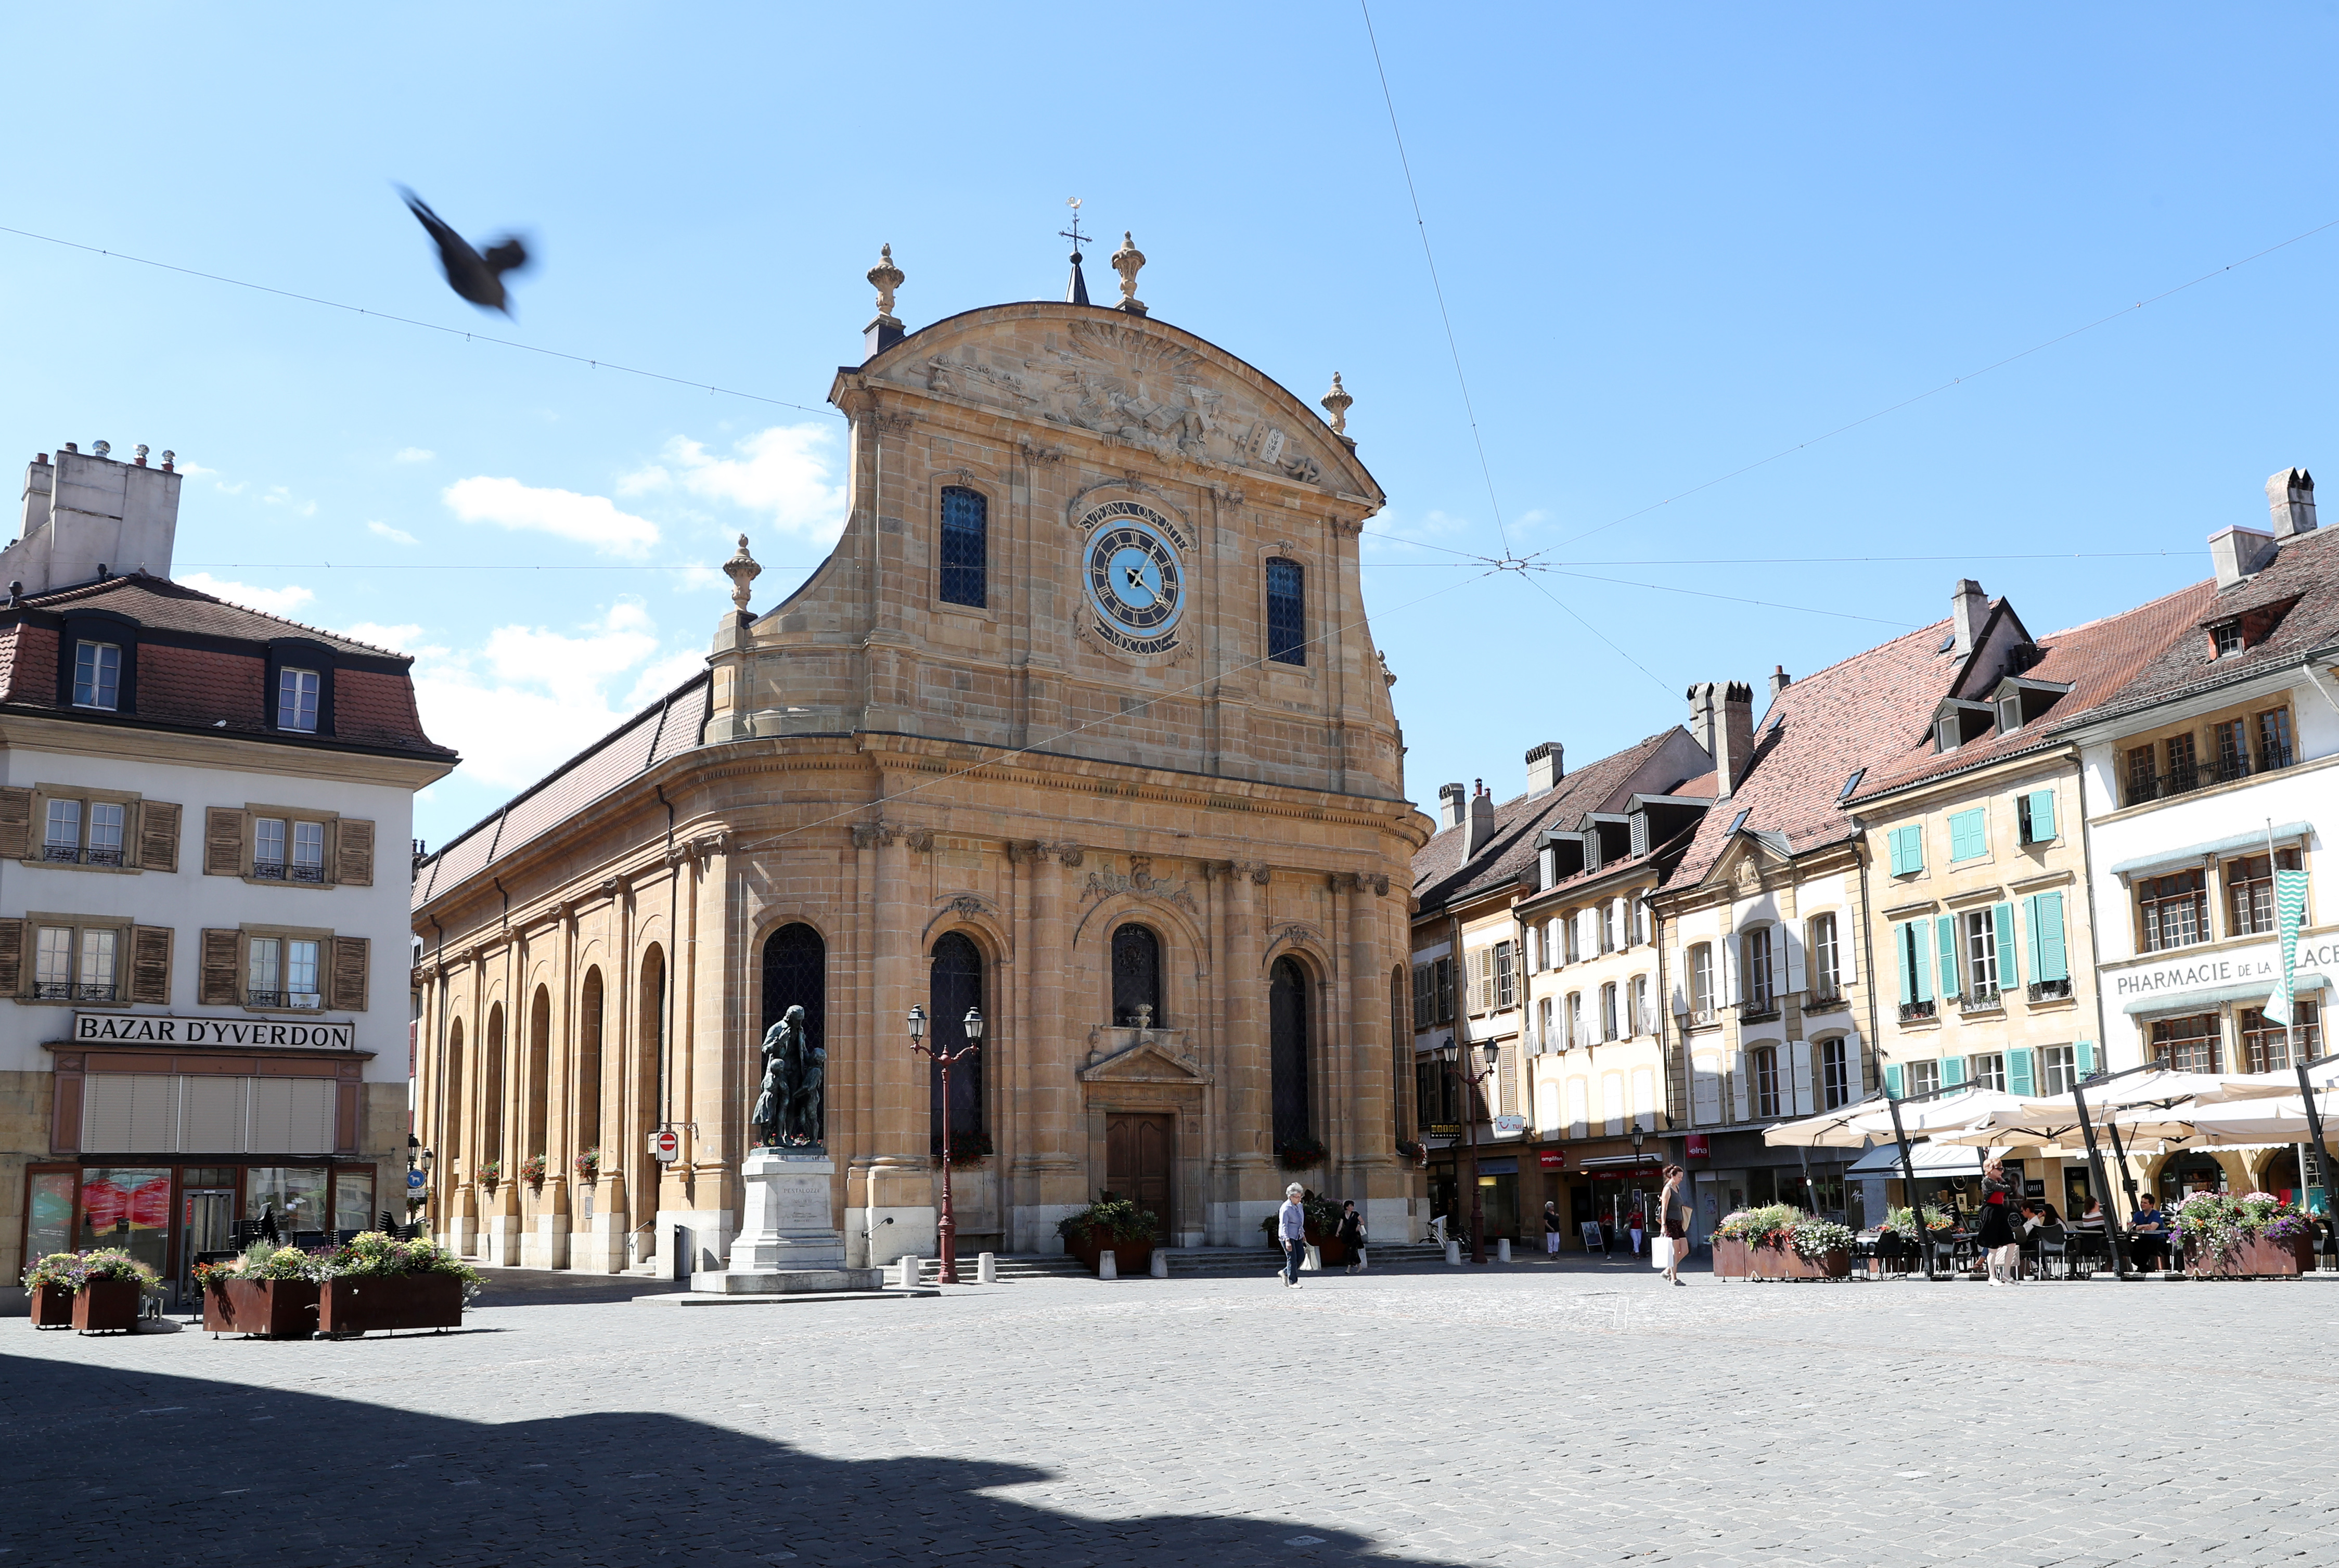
{"x": 2149, "y": 1245}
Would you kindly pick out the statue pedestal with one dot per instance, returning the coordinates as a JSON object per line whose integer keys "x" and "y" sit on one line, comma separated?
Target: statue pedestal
{"x": 786, "y": 1243}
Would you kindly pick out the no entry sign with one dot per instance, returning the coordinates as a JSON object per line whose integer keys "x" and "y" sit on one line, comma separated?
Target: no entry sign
{"x": 665, "y": 1145}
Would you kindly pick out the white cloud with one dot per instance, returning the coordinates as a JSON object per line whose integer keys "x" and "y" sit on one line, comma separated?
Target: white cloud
{"x": 662, "y": 675}
{"x": 414, "y": 455}
{"x": 395, "y": 535}
{"x": 192, "y": 470}
{"x": 592, "y": 520}
{"x": 275, "y": 601}
{"x": 783, "y": 474}
{"x": 399, "y": 638}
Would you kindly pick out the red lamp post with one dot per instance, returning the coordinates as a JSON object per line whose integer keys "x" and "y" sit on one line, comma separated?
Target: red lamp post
{"x": 947, "y": 1228}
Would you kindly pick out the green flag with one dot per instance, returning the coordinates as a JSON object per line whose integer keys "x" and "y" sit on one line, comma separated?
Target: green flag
{"x": 2289, "y": 913}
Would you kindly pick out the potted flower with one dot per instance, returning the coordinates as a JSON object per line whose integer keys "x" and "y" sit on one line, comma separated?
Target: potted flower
{"x": 491, "y": 1172}
{"x": 1300, "y": 1153}
{"x": 531, "y": 1170}
{"x": 270, "y": 1292}
{"x": 1819, "y": 1249}
{"x": 51, "y": 1283}
{"x": 2253, "y": 1235}
{"x": 109, "y": 1290}
{"x": 377, "y": 1282}
{"x": 1413, "y": 1153}
{"x": 1322, "y": 1222}
{"x": 1111, "y": 1223}
{"x": 588, "y": 1165}
{"x": 1745, "y": 1238}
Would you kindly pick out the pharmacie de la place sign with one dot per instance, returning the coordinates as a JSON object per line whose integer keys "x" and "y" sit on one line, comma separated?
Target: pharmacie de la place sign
{"x": 2174, "y": 977}
{"x": 149, "y": 1028}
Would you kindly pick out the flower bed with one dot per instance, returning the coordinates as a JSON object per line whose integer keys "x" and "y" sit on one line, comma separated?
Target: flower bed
{"x": 1779, "y": 1241}
{"x": 270, "y": 1292}
{"x": 377, "y": 1282}
{"x": 97, "y": 1291}
{"x": 2253, "y": 1235}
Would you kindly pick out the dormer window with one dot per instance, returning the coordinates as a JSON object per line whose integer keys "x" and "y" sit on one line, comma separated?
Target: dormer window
{"x": 1961, "y": 720}
{"x": 2225, "y": 636}
{"x": 2010, "y": 715}
{"x": 296, "y": 699}
{"x": 97, "y": 675}
{"x": 1945, "y": 734}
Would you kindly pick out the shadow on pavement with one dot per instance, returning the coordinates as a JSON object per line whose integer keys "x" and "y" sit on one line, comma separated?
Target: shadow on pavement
{"x": 114, "y": 1466}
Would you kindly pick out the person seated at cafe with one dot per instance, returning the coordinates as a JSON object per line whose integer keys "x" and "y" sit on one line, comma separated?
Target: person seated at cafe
{"x": 2148, "y": 1238}
{"x": 2093, "y": 1219}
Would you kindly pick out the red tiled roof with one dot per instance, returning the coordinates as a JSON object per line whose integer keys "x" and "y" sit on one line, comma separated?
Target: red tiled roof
{"x": 1438, "y": 873}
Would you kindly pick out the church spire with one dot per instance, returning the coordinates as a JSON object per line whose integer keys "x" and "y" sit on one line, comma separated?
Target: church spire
{"x": 1076, "y": 292}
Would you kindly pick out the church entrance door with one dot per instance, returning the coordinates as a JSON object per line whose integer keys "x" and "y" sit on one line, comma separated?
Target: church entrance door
{"x": 1136, "y": 1158}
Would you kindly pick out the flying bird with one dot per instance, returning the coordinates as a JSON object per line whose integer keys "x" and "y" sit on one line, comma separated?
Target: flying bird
{"x": 475, "y": 276}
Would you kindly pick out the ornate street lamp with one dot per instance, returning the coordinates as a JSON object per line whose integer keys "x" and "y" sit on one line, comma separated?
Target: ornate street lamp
{"x": 1451, "y": 1055}
{"x": 973, "y": 1024}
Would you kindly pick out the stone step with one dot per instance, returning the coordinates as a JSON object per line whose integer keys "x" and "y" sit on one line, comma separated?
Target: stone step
{"x": 1185, "y": 1262}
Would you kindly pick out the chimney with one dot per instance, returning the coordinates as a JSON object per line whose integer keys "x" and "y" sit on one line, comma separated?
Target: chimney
{"x": 1779, "y": 681}
{"x": 2290, "y": 497}
{"x": 1968, "y": 607}
{"x": 1545, "y": 768}
{"x": 1705, "y": 714}
{"x": 1451, "y": 799}
{"x": 1480, "y": 831}
{"x": 2240, "y": 554}
{"x": 1732, "y": 725}
{"x": 83, "y": 509}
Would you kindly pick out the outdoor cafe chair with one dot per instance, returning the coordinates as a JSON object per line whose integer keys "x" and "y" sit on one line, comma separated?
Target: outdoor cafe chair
{"x": 2053, "y": 1256}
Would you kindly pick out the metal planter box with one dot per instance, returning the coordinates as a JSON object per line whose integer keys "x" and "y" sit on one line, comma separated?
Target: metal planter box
{"x": 271, "y": 1308}
{"x": 107, "y": 1306}
{"x": 51, "y": 1307}
{"x": 1129, "y": 1258}
{"x": 2254, "y": 1258}
{"x": 367, "y": 1304}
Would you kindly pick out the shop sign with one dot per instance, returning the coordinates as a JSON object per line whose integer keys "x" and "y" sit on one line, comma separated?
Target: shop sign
{"x": 1696, "y": 1145}
{"x": 164, "y": 1029}
{"x": 2173, "y": 977}
{"x": 1510, "y": 1126}
{"x": 1553, "y": 1159}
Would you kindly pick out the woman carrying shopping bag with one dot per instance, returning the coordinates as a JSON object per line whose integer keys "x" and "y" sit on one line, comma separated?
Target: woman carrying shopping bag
{"x": 1352, "y": 1235}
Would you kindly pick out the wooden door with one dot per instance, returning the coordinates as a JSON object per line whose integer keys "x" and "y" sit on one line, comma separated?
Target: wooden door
{"x": 1138, "y": 1165}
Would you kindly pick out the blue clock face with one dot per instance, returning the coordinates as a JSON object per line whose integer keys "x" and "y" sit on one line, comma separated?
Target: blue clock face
{"x": 1136, "y": 579}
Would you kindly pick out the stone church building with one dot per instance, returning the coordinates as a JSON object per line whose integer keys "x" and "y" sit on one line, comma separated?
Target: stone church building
{"x": 1081, "y": 724}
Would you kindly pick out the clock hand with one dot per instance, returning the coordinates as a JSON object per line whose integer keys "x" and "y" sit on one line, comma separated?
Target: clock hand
{"x": 1136, "y": 579}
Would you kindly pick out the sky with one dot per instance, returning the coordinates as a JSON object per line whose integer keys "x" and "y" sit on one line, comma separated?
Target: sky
{"x": 1775, "y": 322}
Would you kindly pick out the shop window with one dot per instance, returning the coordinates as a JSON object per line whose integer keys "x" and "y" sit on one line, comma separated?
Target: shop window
{"x": 2172, "y": 911}
{"x": 2186, "y": 1044}
{"x": 353, "y": 1200}
{"x": 128, "y": 1208}
{"x": 49, "y": 1226}
{"x": 1763, "y": 1080}
{"x": 2185, "y": 1174}
{"x": 2267, "y": 1046}
{"x": 965, "y": 552}
{"x": 2249, "y": 892}
{"x": 294, "y": 1196}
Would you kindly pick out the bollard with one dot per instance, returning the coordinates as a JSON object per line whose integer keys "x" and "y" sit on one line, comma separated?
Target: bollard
{"x": 1108, "y": 1266}
{"x": 1453, "y": 1252}
{"x": 914, "y": 1268}
{"x": 1503, "y": 1249}
{"x": 1161, "y": 1264}
{"x": 986, "y": 1268}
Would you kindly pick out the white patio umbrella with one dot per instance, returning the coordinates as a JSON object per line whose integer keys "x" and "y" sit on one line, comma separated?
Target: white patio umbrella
{"x": 2280, "y": 1083}
{"x": 1857, "y": 1125}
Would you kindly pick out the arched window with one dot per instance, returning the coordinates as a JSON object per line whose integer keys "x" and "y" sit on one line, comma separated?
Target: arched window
{"x": 491, "y": 1095}
{"x": 796, "y": 974}
{"x": 966, "y": 530}
{"x": 1137, "y": 976}
{"x": 539, "y": 1065}
{"x": 1287, "y": 613}
{"x": 954, "y": 983}
{"x": 1762, "y": 1079}
{"x": 588, "y": 1062}
{"x": 650, "y": 1079}
{"x": 1287, "y": 1024}
{"x": 450, "y": 1098}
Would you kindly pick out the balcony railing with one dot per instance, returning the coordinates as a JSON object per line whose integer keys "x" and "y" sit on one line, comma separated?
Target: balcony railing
{"x": 70, "y": 854}
{"x": 293, "y": 998}
{"x": 1912, "y": 1010}
{"x": 71, "y": 991}
{"x": 1824, "y": 999}
{"x": 2050, "y": 991}
{"x": 96, "y": 856}
{"x": 1982, "y": 997}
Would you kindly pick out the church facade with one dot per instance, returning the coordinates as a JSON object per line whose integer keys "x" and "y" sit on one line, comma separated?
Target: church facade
{"x": 1080, "y": 724}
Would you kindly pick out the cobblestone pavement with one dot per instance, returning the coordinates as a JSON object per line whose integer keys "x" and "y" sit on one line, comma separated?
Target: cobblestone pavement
{"x": 1559, "y": 1415}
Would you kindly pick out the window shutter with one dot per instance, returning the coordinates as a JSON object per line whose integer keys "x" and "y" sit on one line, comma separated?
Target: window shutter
{"x": 352, "y": 954}
{"x": 1953, "y": 1070}
{"x": 1867, "y": 1050}
{"x": 1913, "y": 837}
{"x": 15, "y": 824}
{"x": 1920, "y": 958}
{"x": 1904, "y": 946}
{"x": 222, "y": 842}
{"x": 1945, "y": 949}
{"x": 158, "y": 835}
{"x": 217, "y": 987}
{"x": 2048, "y": 958}
{"x": 2010, "y": 959}
{"x": 1968, "y": 835}
{"x": 2086, "y": 1054}
{"x": 2019, "y": 1078}
{"x": 2042, "y": 816}
{"x": 1799, "y": 1054}
{"x": 12, "y": 957}
{"x": 150, "y": 963}
{"x": 1892, "y": 1078}
{"x": 1738, "y": 1086}
{"x": 1898, "y": 841}
{"x": 1796, "y": 964}
{"x": 353, "y": 852}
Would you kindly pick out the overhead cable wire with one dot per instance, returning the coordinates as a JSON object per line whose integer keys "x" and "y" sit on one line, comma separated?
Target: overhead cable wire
{"x": 1596, "y": 631}
{"x": 464, "y": 333}
{"x": 1952, "y": 381}
{"x": 1733, "y": 598}
{"x": 1422, "y": 225}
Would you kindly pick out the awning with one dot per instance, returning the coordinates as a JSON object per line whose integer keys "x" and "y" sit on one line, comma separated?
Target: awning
{"x": 1924, "y": 1158}
{"x": 1610, "y": 1161}
{"x": 2210, "y": 996}
{"x": 2239, "y": 844}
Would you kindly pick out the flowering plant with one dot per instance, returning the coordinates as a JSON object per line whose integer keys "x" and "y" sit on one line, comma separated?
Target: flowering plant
{"x": 1120, "y": 1216}
{"x": 1767, "y": 1226}
{"x": 2222, "y": 1221}
{"x": 1903, "y": 1222}
{"x": 1300, "y": 1153}
{"x": 589, "y": 1164}
{"x": 74, "y": 1270}
{"x": 1411, "y": 1153}
{"x": 491, "y": 1173}
{"x": 531, "y": 1170}
{"x": 62, "y": 1269}
{"x": 372, "y": 1254}
{"x": 1817, "y": 1237}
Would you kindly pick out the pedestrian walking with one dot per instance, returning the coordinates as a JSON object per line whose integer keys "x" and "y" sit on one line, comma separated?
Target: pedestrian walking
{"x": 1673, "y": 1220}
{"x": 1997, "y": 1236}
{"x": 1551, "y": 1230}
{"x": 1291, "y": 1225}
{"x": 1352, "y": 1235}
{"x": 1640, "y": 1229}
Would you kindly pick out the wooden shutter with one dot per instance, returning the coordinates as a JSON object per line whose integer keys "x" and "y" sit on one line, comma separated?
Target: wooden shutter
{"x": 217, "y": 986}
{"x": 12, "y": 957}
{"x": 353, "y": 852}
{"x": 15, "y": 824}
{"x": 149, "y": 962}
{"x": 2010, "y": 960}
{"x": 158, "y": 835}
{"x": 222, "y": 842}
{"x": 2048, "y": 958}
{"x": 352, "y": 955}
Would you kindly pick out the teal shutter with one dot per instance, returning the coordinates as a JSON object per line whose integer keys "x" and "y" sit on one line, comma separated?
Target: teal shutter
{"x": 1892, "y": 1079}
{"x": 2047, "y": 960}
{"x": 1968, "y": 835}
{"x": 2021, "y": 1080}
{"x": 2087, "y": 1051}
{"x": 1945, "y": 948}
{"x": 2009, "y": 962}
{"x": 1921, "y": 966}
{"x": 1897, "y": 838}
{"x": 1916, "y": 846}
{"x": 2042, "y": 816}
{"x": 1953, "y": 1070}
{"x": 1902, "y": 949}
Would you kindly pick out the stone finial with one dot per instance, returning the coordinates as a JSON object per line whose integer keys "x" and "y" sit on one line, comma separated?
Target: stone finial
{"x": 742, "y": 570}
{"x": 1126, "y": 261}
{"x": 1337, "y": 403}
{"x": 886, "y": 277}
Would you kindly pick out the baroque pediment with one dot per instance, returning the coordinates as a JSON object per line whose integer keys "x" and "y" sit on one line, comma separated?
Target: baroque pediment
{"x": 1142, "y": 1056}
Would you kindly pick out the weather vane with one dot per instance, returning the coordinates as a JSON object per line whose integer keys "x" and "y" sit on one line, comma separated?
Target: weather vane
{"x": 1073, "y": 233}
